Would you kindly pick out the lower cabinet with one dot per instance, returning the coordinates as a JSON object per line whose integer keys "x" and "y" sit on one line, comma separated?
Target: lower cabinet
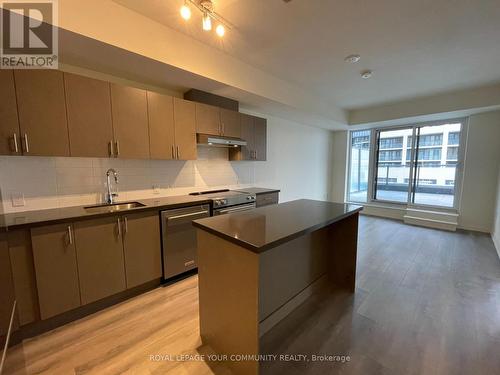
{"x": 142, "y": 248}
{"x": 54, "y": 257}
{"x": 7, "y": 294}
{"x": 99, "y": 249}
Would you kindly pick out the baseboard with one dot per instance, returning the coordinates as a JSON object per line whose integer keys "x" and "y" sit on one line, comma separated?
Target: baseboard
{"x": 430, "y": 223}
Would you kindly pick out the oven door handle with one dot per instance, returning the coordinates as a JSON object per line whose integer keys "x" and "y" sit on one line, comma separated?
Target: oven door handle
{"x": 236, "y": 209}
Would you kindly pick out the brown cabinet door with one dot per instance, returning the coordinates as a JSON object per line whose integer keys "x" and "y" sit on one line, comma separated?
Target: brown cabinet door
{"x": 23, "y": 275}
{"x": 99, "y": 250}
{"x": 185, "y": 129}
{"x": 7, "y": 295}
{"x": 161, "y": 126}
{"x": 89, "y": 116}
{"x": 260, "y": 139}
{"x": 42, "y": 112}
{"x": 247, "y": 134}
{"x": 230, "y": 123}
{"x": 141, "y": 245}
{"x": 10, "y": 141}
{"x": 130, "y": 122}
{"x": 208, "y": 119}
{"x": 56, "y": 271}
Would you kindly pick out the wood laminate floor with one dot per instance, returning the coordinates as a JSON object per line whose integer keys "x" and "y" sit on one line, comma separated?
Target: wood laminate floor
{"x": 427, "y": 302}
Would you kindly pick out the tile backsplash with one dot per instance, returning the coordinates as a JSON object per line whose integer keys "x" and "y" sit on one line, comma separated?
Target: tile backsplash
{"x": 32, "y": 183}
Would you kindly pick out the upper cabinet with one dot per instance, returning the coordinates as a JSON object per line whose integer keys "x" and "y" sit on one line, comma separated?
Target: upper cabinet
{"x": 185, "y": 129}
{"x": 161, "y": 126}
{"x": 230, "y": 123}
{"x": 42, "y": 112}
{"x": 208, "y": 119}
{"x": 10, "y": 140}
{"x": 130, "y": 122}
{"x": 51, "y": 113}
{"x": 254, "y": 131}
{"x": 89, "y": 116}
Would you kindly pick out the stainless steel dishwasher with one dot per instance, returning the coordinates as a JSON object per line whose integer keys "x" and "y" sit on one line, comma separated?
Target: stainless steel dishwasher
{"x": 179, "y": 238}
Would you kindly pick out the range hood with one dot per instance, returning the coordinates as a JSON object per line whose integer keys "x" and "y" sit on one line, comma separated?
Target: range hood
{"x": 219, "y": 141}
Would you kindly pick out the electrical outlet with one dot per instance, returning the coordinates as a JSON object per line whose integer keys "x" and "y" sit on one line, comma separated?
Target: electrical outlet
{"x": 17, "y": 199}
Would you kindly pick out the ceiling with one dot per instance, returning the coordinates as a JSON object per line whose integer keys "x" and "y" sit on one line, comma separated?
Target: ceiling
{"x": 415, "y": 48}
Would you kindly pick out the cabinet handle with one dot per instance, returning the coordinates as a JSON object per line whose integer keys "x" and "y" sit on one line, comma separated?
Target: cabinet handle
{"x": 173, "y": 152}
{"x": 125, "y": 221}
{"x": 119, "y": 226}
{"x": 178, "y": 153}
{"x": 70, "y": 235}
{"x": 255, "y": 154}
{"x": 16, "y": 147}
{"x": 26, "y": 143}
{"x": 111, "y": 149}
{"x": 222, "y": 128}
{"x": 117, "y": 144}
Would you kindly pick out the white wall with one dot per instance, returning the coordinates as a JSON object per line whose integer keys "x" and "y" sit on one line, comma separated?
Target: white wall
{"x": 495, "y": 234}
{"x": 297, "y": 163}
{"x": 482, "y": 157}
{"x": 340, "y": 149}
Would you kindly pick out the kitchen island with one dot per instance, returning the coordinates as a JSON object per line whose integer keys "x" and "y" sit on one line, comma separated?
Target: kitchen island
{"x": 255, "y": 267}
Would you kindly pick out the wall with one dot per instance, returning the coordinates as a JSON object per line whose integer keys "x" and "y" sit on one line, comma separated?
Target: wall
{"x": 480, "y": 172}
{"x": 340, "y": 149}
{"x": 495, "y": 235}
{"x": 480, "y": 184}
{"x": 297, "y": 163}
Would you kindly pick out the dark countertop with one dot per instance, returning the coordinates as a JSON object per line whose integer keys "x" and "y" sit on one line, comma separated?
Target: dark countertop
{"x": 60, "y": 215}
{"x": 257, "y": 190}
{"x": 266, "y": 227}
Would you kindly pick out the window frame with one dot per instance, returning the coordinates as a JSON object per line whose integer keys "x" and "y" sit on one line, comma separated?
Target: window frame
{"x": 372, "y": 163}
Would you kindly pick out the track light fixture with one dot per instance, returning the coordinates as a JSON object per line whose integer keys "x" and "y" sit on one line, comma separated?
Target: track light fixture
{"x": 206, "y": 7}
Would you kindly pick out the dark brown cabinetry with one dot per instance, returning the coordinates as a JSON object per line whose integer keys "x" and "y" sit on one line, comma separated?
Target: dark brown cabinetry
{"x": 208, "y": 119}
{"x": 185, "y": 129}
{"x": 172, "y": 127}
{"x": 56, "y": 269}
{"x": 265, "y": 199}
{"x": 23, "y": 276}
{"x": 130, "y": 122}
{"x": 254, "y": 131}
{"x": 141, "y": 246}
{"x": 42, "y": 112}
{"x": 161, "y": 126}
{"x": 89, "y": 116}
{"x": 10, "y": 137}
{"x": 99, "y": 250}
{"x": 230, "y": 123}
{"x": 7, "y": 295}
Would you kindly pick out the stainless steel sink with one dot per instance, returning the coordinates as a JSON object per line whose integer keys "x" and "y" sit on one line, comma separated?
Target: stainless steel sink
{"x": 113, "y": 207}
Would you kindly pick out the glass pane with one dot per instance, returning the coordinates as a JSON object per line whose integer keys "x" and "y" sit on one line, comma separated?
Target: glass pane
{"x": 436, "y": 166}
{"x": 393, "y": 171}
{"x": 360, "y": 152}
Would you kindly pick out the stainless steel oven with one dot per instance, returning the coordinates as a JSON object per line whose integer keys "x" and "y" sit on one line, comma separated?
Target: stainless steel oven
{"x": 179, "y": 238}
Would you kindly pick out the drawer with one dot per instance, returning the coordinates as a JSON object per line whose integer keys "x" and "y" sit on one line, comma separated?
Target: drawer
{"x": 267, "y": 199}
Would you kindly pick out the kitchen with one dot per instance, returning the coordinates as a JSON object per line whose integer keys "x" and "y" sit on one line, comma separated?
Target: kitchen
{"x": 236, "y": 187}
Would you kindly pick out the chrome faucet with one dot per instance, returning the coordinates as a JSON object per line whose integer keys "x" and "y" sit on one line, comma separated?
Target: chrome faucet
{"x": 110, "y": 197}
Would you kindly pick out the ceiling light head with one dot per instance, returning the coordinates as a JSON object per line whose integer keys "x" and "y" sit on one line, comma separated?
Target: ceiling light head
{"x": 185, "y": 12}
{"x": 366, "y": 74}
{"x": 207, "y": 22}
{"x": 352, "y": 59}
{"x": 220, "y": 30}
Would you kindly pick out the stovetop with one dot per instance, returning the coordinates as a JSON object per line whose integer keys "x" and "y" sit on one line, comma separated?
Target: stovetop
{"x": 225, "y": 197}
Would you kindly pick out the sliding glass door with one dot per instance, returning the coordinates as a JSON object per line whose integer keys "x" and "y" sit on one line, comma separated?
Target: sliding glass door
{"x": 417, "y": 165}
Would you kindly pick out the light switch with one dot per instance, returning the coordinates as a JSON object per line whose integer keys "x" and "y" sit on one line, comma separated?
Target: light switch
{"x": 17, "y": 199}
